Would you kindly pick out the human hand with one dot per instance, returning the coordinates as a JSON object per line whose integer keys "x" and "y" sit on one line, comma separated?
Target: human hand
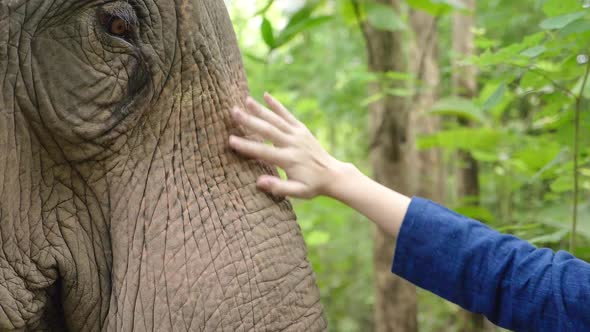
{"x": 311, "y": 171}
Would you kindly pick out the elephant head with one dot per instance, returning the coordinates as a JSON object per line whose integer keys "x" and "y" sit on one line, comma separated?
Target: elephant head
{"x": 121, "y": 206}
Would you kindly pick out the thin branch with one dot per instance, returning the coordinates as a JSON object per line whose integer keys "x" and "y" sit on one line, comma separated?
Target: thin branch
{"x": 359, "y": 19}
{"x": 547, "y": 78}
{"x": 578, "y": 110}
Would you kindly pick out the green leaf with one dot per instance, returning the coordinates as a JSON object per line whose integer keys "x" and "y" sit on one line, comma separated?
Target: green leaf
{"x": 533, "y": 81}
{"x": 476, "y": 212}
{"x": 534, "y": 52}
{"x": 293, "y": 30}
{"x": 468, "y": 139}
{"x": 578, "y": 26}
{"x": 511, "y": 54}
{"x": 563, "y": 184}
{"x": 495, "y": 98}
{"x": 560, "y": 215}
{"x": 537, "y": 154}
{"x": 582, "y": 253}
{"x": 459, "y": 107}
{"x": 384, "y": 17}
{"x": 268, "y": 33}
{"x": 301, "y": 15}
{"x": 559, "y": 22}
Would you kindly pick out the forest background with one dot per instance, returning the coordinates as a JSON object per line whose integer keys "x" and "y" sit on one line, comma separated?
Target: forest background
{"x": 482, "y": 107}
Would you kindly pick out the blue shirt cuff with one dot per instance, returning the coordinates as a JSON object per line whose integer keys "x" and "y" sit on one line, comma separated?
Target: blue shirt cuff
{"x": 402, "y": 265}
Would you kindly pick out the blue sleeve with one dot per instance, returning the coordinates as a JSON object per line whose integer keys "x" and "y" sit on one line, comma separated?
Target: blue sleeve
{"x": 512, "y": 283}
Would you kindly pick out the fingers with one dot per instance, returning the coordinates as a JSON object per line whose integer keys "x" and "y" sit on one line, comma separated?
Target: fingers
{"x": 259, "y": 126}
{"x": 280, "y": 187}
{"x": 260, "y": 111}
{"x": 259, "y": 150}
{"x": 279, "y": 109}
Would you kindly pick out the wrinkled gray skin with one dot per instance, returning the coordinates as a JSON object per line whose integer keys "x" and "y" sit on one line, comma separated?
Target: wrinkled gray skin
{"x": 121, "y": 206}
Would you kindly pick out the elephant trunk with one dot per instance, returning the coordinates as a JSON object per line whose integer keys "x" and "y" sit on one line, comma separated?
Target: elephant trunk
{"x": 194, "y": 244}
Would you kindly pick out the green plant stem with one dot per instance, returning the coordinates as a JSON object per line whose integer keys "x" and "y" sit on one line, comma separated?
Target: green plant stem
{"x": 578, "y": 110}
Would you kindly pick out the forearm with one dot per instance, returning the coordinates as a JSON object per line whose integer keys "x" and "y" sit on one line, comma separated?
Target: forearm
{"x": 385, "y": 207}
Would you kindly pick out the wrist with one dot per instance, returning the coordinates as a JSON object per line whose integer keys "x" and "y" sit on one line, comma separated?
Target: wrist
{"x": 341, "y": 176}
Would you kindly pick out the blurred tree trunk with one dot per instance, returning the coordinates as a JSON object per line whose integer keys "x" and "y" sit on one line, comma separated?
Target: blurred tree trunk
{"x": 465, "y": 85}
{"x": 424, "y": 64}
{"x": 394, "y": 121}
{"x": 391, "y": 151}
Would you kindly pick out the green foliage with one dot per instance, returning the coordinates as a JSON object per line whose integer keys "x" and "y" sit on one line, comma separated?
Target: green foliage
{"x": 524, "y": 129}
{"x": 531, "y": 72}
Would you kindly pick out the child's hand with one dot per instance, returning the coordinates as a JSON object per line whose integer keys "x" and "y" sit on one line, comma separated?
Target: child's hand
{"x": 310, "y": 169}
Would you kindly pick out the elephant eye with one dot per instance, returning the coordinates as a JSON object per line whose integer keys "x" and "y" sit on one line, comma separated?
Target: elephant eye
{"x": 119, "y": 22}
{"x": 118, "y": 27}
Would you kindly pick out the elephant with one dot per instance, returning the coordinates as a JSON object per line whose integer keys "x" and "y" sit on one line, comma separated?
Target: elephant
{"x": 122, "y": 207}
